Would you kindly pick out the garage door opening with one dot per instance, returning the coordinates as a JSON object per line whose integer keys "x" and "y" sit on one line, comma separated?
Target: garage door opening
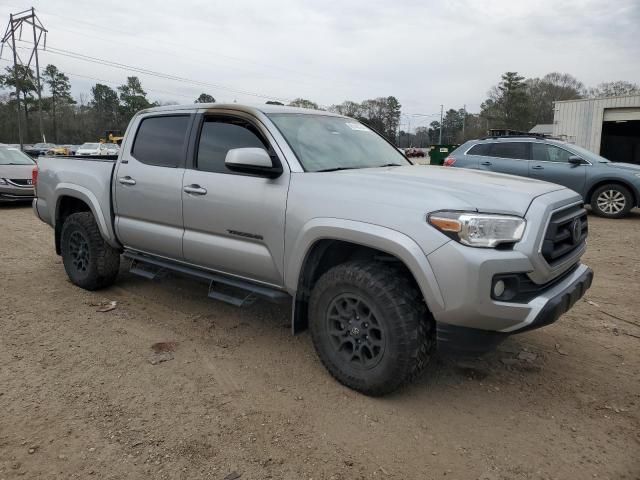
{"x": 621, "y": 141}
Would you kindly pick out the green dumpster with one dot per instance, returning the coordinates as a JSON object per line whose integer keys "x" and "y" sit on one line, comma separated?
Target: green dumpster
{"x": 437, "y": 153}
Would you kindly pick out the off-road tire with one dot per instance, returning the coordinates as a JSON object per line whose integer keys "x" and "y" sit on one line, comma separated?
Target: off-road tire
{"x": 99, "y": 267}
{"x": 399, "y": 308}
{"x": 602, "y": 208}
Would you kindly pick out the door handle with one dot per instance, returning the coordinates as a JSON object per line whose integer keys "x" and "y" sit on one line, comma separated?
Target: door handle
{"x": 127, "y": 180}
{"x": 195, "y": 189}
{"x": 537, "y": 167}
{"x": 486, "y": 164}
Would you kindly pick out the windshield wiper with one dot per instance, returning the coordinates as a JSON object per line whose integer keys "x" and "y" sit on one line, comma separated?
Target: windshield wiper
{"x": 389, "y": 165}
{"x": 335, "y": 169}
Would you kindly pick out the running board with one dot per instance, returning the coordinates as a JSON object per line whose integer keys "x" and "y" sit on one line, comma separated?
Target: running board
{"x": 146, "y": 270}
{"x": 237, "y": 292}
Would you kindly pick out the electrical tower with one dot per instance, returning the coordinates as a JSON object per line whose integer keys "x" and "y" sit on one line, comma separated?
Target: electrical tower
{"x": 15, "y": 27}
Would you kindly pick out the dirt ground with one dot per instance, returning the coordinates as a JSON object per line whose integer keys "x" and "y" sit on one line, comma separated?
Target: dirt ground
{"x": 83, "y": 395}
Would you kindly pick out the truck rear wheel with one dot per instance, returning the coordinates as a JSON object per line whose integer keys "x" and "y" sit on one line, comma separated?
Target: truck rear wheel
{"x": 370, "y": 326}
{"x": 89, "y": 261}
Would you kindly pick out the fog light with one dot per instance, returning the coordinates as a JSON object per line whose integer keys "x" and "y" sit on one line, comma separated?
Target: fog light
{"x": 498, "y": 288}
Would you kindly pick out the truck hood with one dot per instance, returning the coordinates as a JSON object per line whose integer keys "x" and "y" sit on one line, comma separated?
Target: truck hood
{"x": 434, "y": 188}
{"x": 16, "y": 171}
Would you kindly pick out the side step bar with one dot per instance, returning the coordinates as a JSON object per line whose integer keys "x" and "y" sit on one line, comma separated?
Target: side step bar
{"x": 243, "y": 292}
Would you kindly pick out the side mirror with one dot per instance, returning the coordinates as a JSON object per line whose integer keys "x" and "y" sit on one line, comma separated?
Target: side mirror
{"x": 575, "y": 160}
{"x": 254, "y": 161}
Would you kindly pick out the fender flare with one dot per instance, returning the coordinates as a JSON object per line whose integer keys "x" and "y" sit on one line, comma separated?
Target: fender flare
{"x": 370, "y": 235}
{"x": 105, "y": 226}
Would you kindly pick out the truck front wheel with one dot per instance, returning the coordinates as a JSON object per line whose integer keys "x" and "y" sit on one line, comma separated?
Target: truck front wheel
{"x": 89, "y": 261}
{"x": 370, "y": 326}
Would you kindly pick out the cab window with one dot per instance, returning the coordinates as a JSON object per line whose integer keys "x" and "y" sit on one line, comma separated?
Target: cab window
{"x": 161, "y": 140}
{"x": 218, "y": 136}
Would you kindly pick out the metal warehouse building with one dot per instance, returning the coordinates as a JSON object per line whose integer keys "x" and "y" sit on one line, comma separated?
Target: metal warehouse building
{"x": 607, "y": 126}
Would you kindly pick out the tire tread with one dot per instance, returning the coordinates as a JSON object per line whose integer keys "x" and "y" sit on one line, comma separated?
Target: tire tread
{"x": 107, "y": 258}
{"x": 412, "y": 321}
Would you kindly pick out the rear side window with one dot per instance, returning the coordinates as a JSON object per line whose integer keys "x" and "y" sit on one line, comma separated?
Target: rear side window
{"x": 160, "y": 141}
{"x": 479, "y": 149}
{"x": 516, "y": 150}
{"x": 218, "y": 136}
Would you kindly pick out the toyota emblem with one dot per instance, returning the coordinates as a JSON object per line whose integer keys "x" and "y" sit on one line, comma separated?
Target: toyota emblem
{"x": 576, "y": 230}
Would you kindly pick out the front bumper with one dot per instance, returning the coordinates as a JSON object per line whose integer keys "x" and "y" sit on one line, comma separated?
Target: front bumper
{"x": 16, "y": 194}
{"x": 557, "y": 301}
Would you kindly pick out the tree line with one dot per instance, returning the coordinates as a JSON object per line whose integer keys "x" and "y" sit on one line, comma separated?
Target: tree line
{"x": 515, "y": 102}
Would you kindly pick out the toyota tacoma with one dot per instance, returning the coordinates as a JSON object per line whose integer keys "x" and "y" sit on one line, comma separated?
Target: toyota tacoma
{"x": 382, "y": 260}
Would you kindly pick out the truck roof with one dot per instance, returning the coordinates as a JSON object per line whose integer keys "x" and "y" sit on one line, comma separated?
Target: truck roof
{"x": 249, "y": 108}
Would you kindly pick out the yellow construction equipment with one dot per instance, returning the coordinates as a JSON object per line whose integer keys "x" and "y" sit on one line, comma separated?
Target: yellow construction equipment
{"x": 112, "y": 136}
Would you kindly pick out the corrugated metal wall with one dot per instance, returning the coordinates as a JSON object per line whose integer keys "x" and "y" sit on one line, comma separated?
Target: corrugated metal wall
{"x": 580, "y": 121}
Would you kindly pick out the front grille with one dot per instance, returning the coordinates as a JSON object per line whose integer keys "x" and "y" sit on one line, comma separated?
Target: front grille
{"x": 25, "y": 182}
{"x": 566, "y": 232}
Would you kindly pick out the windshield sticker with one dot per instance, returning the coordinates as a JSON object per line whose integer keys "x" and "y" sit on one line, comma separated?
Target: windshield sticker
{"x": 357, "y": 126}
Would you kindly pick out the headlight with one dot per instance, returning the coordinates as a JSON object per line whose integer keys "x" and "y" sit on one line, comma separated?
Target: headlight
{"x": 3, "y": 181}
{"x": 479, "y": 229}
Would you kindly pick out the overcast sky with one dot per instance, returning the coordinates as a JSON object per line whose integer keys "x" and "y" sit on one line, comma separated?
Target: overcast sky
{"x": 424, "y": 53}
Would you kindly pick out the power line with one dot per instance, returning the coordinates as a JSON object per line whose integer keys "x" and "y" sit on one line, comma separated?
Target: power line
{"x": 113, "y": 82}
{"x": 110, "y": 29}
{"x": 152, "y": 73}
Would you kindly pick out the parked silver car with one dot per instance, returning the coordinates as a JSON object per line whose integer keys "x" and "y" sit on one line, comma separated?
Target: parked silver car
{"x": 611, "y": 188}
{"x": 15, "y": 175}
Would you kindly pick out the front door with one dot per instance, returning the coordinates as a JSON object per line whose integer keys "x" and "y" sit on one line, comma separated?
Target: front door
{"x": 551, "y": 163}
{"x": 233, "y": 222}
{"x": 148, "y": 186}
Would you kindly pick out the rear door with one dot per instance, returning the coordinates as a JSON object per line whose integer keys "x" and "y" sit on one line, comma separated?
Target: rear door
{"x": 551, "y": 163}
{"x": 234, "y": 222}
{"x": 148, "y": 185}
{"x": 507, "y": 157}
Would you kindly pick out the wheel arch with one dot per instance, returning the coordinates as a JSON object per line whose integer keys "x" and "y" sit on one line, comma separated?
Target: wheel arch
{"x": 76, "y": 199}
{"x": 322, "y": 245}
{"x": 616, "y": 181}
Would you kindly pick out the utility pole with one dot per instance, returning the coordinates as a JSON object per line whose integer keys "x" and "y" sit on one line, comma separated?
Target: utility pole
{"x": 15, "y": 74}
{"x": 441, "y": 117}
{"x": 35, "y": 50}
{"x": 464, "y": 119}
{"x": 16, "y": 22}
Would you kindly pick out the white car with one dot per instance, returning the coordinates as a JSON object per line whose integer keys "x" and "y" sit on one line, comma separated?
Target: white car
{"x": 112, "y": 148}
{"x": 92, "y": 149}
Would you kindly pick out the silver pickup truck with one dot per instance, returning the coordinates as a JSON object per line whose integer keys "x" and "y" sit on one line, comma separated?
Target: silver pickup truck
{"x": 383, "y": 260}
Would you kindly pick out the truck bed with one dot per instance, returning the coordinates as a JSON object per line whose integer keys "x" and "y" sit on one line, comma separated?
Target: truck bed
{"x": 89, "y": 177}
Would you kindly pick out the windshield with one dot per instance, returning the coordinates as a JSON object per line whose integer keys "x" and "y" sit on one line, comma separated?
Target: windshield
{"x": 13, "y": 156}
{"x": 43, "y": 145}
{"x": 588, "y": 155}
{"x": 90, "y": 145}
{"x": 322, "y": 142}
